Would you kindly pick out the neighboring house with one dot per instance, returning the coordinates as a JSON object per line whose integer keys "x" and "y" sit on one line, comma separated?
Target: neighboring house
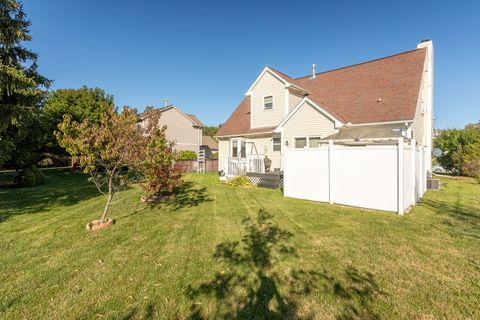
{"x": 210, "y": 145}
{"x": 183, "y": 129}
{"x": 394, "y": 94}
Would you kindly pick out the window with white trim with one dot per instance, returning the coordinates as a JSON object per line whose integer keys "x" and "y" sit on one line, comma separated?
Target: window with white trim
{"x": 268, "y": 102}
{"x": 314, "y": 142}
{"x": 300, "y": 143}
{"x": 239, "y": 148}
{"x": 277, "y": 144}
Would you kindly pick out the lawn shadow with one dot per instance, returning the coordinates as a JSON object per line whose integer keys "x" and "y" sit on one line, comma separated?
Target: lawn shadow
{"x": 253, "y": 288}
{"x": 62, "y": 188}
{"x": 462, "y": 220}
{"x": 187, "y": 195}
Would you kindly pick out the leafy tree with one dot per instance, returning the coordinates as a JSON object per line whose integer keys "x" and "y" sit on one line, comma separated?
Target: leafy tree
{"x": 22, "y": 88}
{"x": 448, "y": 141}
{"x": 210, "y": 130}
{"x": 461, "y": 150}
{"x": 108, "y": 150}
{"x": 158, "y": 165}
{"x": 80, "y": 104}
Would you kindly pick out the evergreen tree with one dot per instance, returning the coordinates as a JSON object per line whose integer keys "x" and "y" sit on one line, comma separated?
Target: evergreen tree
{"x": 22, "y": 88}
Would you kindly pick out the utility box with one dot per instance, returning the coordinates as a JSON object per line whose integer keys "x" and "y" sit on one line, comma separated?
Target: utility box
{"x": 433, "y": 184}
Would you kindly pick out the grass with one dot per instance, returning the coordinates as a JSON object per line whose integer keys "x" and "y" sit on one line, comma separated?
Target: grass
{"x": 222, "y": 252}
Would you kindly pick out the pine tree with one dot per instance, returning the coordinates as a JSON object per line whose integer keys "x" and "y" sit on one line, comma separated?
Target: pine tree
{"x": 22, "y": 88}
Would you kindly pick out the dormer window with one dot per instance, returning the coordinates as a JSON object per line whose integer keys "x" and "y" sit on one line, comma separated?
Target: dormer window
{"x": 268, "y": 102}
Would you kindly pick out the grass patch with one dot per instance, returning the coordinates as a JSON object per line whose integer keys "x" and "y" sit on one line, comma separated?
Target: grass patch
{"x": 221, "y": 252}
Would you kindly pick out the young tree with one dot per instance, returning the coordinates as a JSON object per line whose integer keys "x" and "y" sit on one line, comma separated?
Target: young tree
{"x": 22, "y": 88}
{"x": 109, "y": 150}
{"x": 158, "y": 164}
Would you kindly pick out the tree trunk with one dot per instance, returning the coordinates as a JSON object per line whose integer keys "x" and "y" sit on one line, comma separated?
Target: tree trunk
{"x": 105, "y": 211}
{"x": 109, "y": 199}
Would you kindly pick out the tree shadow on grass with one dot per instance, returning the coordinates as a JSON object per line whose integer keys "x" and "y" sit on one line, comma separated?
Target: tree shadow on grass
{"x": 462, "y": 220}
{"x": 253, "y": 288}
{"x": 186, "y": 195}
{"x": 62, "y": 188}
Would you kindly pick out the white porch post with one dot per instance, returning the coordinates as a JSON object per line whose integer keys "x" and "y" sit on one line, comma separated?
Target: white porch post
{"x": 400, "y": 176}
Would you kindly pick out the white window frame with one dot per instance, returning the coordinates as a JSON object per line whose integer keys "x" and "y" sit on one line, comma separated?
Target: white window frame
{"x": 279, "y": 144}
{"x": 300, "y": 137}
{"x": 308, "y": 141}
{"x": 273, "y": 102}
{"x": 239, "y": 147}
{"x": 307, "y": 146}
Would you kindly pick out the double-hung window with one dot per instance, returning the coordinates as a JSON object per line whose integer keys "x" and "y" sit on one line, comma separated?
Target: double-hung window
{"x": 268, "y": 102}
{"x": 277, "y": 144}
{"x": 239, "y": 148}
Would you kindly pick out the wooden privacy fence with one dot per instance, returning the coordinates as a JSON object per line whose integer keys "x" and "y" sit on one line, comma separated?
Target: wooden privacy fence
{"x": 192, "y": 165}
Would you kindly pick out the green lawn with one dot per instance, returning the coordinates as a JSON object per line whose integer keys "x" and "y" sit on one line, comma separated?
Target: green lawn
{"x": 221, "y": 252}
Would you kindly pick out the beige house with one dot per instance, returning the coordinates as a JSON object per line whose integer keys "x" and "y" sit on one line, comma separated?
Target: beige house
{"x": 393, "y": 94}
{"x": 183, "y": 129}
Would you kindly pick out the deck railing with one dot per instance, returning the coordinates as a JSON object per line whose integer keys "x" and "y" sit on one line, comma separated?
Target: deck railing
{"x": 240, "y": 166}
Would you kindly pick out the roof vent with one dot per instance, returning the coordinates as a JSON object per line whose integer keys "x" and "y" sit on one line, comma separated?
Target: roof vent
{"x": 313, "y": 71}
{"x": 379, "y": 100}
{"x": 425, "y": 40}
{"x": 165, "y": 101}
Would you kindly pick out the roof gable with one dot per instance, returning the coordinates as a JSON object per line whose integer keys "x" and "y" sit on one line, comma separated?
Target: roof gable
{"x": 304, "y": 101}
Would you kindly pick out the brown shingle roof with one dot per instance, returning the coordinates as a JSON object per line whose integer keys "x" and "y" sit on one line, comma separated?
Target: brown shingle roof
{"x": 195, "y": 120}
{"x": 239, "y": 121}
{"x": 210, "y": 142}
{"x": 352, "y": 93}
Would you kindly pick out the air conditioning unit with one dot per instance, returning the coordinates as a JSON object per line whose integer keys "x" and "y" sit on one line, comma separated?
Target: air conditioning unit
{"x": 433, "y": 184}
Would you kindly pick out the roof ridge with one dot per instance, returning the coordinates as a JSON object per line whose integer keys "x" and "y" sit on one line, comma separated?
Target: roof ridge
{"x": 362, "y": 63}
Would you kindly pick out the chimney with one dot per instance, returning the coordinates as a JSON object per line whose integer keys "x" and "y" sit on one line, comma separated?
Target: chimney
{"x": 313, "y": 71}
{"x": 166, "y": 102}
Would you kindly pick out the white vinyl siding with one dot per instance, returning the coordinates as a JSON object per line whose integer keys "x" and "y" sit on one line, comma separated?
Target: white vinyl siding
{"x": 419, "y": 120}
{"x": 293, "y": 100}
{"x": 268, "y": 103}
{"x": 268, "y": 85}
{"x": 307, "y": 122}
{"x": 180, "y": 130}
{"x": 223, "y": 153}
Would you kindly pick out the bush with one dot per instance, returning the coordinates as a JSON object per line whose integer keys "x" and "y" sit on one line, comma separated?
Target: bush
{"x": 239, "y": 181}
{"x": 39, "y": 176}
{"x": 29, "y": 177}
{"x": 45, "y": 163}
{"x": 187, "y": 155}
{"x": 214, "y": 156}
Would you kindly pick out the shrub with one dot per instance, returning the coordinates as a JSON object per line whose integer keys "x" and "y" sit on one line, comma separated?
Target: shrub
{"x": 214, "y": 156}
{"x": 187, "y": 155}
{"x": 39, "y": 176}
{"x": 239, "y": 181}
{"x": 26, "y": 178}
{"x": 45, "y": 163}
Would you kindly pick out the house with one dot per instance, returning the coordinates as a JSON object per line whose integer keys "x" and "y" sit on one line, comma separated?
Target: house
{"x": 210, "y": 145}
{"x": 360, "y": 135}
{"x": 183, "y": 129}
{"x": 279, "y": 112}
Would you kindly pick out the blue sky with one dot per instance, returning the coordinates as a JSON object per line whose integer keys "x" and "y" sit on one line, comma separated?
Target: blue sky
{"x": 203, "y": 55}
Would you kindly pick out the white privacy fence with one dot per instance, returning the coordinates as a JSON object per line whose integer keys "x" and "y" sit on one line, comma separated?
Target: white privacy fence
{"x": 383, "y": 177}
